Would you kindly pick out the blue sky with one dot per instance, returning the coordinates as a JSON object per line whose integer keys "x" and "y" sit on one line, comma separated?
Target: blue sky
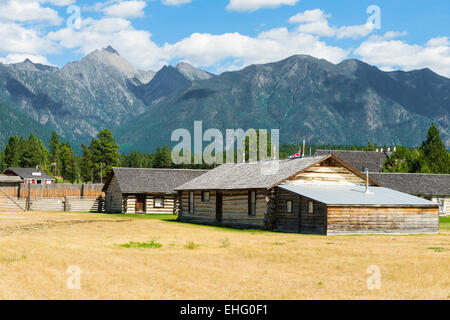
{"x": 221, "y": 35}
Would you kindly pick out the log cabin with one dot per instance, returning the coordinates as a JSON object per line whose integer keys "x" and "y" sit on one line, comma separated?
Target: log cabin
{"x": 315, "y": 195}
{"x": 433, "y": 187}
{"x": 144, "y": 191}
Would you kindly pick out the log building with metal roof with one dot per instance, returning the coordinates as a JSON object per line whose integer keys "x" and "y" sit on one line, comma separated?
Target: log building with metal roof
{"x": 318, "y": 195}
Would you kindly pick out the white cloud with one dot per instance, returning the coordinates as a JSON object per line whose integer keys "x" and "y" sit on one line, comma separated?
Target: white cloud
{"x": 175, "y": 2}
{"x": 28, "y": 11}
{"x": 253, "y": 5}
{"x": 61, "y": 3}
{"x": 20, "y": 57}
{"x": 202, "y": 49}
{"x": 316, "y": 22}
{"x": 17, "y": 39}
{"x": 126, "y": 9}
{"x": 392, "y": 53}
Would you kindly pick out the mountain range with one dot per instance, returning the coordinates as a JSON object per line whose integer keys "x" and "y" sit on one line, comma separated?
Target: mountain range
{"x": 306, "y": 98}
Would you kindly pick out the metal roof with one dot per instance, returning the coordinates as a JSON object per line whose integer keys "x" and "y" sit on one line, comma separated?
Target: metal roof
{"x": 415, "y": 183}
{"x": 340, "y": 195}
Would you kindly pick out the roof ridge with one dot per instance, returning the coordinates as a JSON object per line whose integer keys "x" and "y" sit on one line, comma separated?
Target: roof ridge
{"x": 412, "y": 173}
{"x": 161, "y": 169}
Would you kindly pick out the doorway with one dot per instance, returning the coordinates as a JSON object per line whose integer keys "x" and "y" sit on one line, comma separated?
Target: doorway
{"x": 219, "y": 205}
{"x": 140, "y": 203}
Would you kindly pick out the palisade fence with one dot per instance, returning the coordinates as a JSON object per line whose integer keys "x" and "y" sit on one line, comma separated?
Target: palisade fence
{"x": 55, "y": 197}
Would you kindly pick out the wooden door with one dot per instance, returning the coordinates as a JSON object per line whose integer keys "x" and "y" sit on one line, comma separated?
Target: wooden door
{"x": 140, "y": 203}
{"x": 219, "y": 204}
{"x": 299, "y": 213}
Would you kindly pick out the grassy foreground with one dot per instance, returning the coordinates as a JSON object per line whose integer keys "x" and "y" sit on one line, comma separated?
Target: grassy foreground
{"x": 142, "y": 257}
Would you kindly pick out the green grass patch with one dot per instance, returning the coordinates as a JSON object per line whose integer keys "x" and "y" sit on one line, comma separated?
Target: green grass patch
{"x": 146, "y": 245}
{"x": 444, "y": 223}
{"x": 225, "y": 243}
{"x": 192, "y": 245}
{"x": 12, "y": 259}
{"x": 436, "y": 249}
{"x": 134, "y": 216}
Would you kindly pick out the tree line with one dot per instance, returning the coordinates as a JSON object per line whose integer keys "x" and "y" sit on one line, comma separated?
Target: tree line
{"x": 97, "y": 159}
{"x": 92, "y": 166}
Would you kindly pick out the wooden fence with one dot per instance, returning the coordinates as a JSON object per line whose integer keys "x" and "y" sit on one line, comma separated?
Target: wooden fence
{"x": 35, "y": 191}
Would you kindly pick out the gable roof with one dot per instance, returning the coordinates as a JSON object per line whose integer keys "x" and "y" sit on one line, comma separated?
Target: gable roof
{"x": 359, "y": 159}
{"x": 27, "y": 173}
{"x": 135, "y": 180}
{"x": 256, "y": 175}
{"x": 340, "y": 195}
{"x": 415, "y": 183}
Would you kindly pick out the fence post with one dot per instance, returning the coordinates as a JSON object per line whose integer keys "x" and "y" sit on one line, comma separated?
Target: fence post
{"x": 65, "y": 203}
{"x": 27, "y": 207}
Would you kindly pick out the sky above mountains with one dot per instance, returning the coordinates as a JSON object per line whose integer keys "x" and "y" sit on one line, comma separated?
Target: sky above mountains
{"x": 223, "y": 35}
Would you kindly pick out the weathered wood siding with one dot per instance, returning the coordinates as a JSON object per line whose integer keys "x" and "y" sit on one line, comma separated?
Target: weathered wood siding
{"x": 376, "y": 220}
{"x": 444, "y": 204}
{"x": 313, "y": 223}
{"x": 300, "y": 220}
{"x": 204, "y": 212}
{"x": 62, "y": 190}
{"x": 328, "y": 171}
{"x": 114, "y": 197}
{"x": 10, "y": 189}
{"x": 168, "y": 204}
{"x": 289, "y": 222}
{"x": 235, "y": 209}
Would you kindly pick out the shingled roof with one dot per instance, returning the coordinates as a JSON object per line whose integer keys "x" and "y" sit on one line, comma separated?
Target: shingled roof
{"x": 415, "y": 183}
{"x": 256, "y": 175}
{"x": 135, "y": 181}
{"x": 10, "y": 179}
{"x": 361, "y": 160}
{"x": 27, "y": 173}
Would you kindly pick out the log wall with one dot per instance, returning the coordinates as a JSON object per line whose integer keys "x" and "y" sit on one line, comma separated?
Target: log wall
{"x": 381, "y": 220}
{"x": 204, "y": 212}
{"x": 234, "y": 208}
{"x": 168, "y": 204}
{"x": 114, "y": 197}
{"x": 300, "y": 220}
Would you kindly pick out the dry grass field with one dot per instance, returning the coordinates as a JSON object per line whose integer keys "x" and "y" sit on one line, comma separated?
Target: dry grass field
{"x": 185, "y": 261}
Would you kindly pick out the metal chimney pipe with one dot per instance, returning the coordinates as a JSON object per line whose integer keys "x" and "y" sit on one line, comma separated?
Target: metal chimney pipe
{"x": 367, "y": 181}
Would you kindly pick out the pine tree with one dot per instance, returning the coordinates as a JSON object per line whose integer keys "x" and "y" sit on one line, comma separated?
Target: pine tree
{"x": 12, "y": 152}
{"x": 436, "y": 158}
{"x": 85, "y": 165}
{"x": 69, "y": 170}
{"x": 54, "y": 155}
{"x": 104, "y": 155}
{"x": 34, "y": 153}
{"x": 162, "y": 158}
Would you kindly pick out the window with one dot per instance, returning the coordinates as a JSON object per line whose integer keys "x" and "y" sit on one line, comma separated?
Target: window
{"x": 252, "y": 203}
{"x": 159, "y": 203}
{"x": 310, "y": 206}
{"x": 205, "y": 196}
{"x": 191, "y": 202}
{"x": 289, "y": 206}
